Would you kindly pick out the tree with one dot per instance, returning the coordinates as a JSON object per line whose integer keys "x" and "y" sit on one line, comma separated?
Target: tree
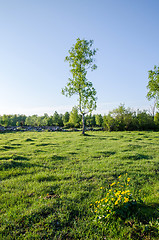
{"x": 99, "y": 120}
{"x": 65, "y": 118}
{"x": 74, "y": 117}
{"x": 81, "y": 58}
{"x": 153, "y": 86}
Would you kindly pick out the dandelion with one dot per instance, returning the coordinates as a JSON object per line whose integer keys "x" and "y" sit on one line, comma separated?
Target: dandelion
{"x": 128, "y": 180}
{"x": 119, "y": 176}
{"x": 126, "y": 199}
{"x": 112, "y": 184}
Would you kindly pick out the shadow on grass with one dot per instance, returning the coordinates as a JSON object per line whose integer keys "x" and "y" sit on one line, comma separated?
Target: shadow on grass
{"x": 104, "y": 154}
{"x": 9, "y": 164}
{"x": 56, "y": 157}
{"x": 45, "y": 144}
{"x": 13, "y": 157}
{"x": 143, "y": 222}
{"x": 6, "y": 147}
{"x": 54, "y": 217}
{"x": 137, "y": 156}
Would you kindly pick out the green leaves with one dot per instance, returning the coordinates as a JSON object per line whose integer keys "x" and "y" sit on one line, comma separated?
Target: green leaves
{"x": 81, "y": 58}
{"x": 153, "y": 85}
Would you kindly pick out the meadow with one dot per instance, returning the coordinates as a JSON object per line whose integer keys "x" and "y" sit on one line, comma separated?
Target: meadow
{"x": 50, "y": 180}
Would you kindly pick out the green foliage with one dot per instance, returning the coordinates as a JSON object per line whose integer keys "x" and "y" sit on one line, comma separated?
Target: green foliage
{"x": 121, "y": 119}
{"x": 156, "y": 119}
{"x": 99, "y": 120}
{"x": 81, "y": 58}
{"x": 153, "y": 85}
{"x": 65, "y": 118}
{"x": 57, "y": 119}
{"x": 74, "y": 118}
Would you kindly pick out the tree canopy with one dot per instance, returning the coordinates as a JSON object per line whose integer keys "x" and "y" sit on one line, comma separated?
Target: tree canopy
{"x": 153, "y": 85}
{"x": 81, "y": 58}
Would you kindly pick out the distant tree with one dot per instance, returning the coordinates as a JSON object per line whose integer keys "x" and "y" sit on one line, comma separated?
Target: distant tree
{"x": 65, "y": 118}
{"x": 145, "y": 121}
{"x": 99, "y": 120}
{"x": 50, "y": 121}
{"x": 153, "y": 86}
{"x": 5, "y": 120}
{"x": 74, "y": 118}
{"x": 156, "y": 119}
{"x": 81, "y": 58}
{"x": 32, "y": 120}
{"x": 109, "y": 122}
{"x": 55, "y": 118}
{"x": 90, "y": 120}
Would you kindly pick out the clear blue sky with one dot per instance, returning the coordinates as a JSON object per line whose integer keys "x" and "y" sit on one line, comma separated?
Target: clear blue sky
{"x": 35, "y": 36}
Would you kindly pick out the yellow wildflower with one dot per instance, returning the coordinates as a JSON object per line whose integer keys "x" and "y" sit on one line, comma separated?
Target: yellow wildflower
{"x": 113, "y": 184}
{"x": 126, "y": 200}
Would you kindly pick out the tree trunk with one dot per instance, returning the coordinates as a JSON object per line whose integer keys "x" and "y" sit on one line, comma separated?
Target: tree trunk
{"x": 83, "y": 122}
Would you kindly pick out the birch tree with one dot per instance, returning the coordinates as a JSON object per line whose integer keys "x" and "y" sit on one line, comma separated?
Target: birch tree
{"x": 81, "y": 58}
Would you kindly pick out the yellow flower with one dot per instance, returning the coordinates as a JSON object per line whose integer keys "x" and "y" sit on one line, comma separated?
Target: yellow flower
{"x": 116, "y": 202}
{"x": 106, "y": 200}
{"x": 126, "y": 199}
{"x": 119, "y": 176}
{"x": 128, "y": 179}
{"x": 112, "y": 199}
{"x": 113, "y": 184}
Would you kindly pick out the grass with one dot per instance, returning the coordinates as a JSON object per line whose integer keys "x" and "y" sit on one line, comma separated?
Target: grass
{"x": 48, "y": 181}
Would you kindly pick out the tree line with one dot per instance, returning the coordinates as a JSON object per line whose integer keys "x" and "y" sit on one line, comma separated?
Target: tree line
{"x": 120, "y": 119}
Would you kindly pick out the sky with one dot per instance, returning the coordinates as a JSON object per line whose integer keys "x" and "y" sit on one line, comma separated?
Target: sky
{"x": 35, "y": 36}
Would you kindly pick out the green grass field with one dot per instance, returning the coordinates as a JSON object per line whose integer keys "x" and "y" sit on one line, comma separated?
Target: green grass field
{"x": 49, "y": 179}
